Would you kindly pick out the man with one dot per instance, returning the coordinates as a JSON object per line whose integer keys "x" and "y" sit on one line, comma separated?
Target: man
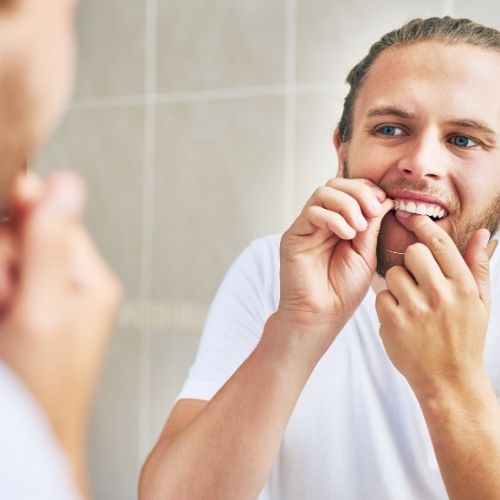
{"x": 57, "y": 296}
{"x": 350, "y": 363}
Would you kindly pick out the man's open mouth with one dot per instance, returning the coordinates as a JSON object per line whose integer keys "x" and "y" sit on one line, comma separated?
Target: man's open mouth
{"x": 435, "y": 212}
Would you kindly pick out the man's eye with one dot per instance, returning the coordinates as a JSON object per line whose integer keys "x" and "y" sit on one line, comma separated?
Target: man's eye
{"x": 390, "y": 130}
{"x": 462, "y": 141}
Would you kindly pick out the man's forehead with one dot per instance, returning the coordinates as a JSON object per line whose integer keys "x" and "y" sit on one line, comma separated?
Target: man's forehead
{"x": 454, "y": 82}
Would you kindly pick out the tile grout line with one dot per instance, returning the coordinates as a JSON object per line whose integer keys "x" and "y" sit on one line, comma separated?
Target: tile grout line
{"x": 206, "y": 95}
{"x": 290, "y": 110}
{"x": 144, "y": 400}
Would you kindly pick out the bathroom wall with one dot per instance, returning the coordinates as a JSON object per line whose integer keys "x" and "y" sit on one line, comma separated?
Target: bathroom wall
{"x": 198, "y": 126}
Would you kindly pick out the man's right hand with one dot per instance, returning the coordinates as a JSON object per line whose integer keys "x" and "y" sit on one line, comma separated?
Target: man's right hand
{"x": 328, "y": 256}
{"x": 225, "y": 447}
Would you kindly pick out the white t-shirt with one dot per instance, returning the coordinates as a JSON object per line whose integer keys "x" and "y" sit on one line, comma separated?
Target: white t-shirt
{"x": 32, "y": 464}
{"x": 357, "y": 431}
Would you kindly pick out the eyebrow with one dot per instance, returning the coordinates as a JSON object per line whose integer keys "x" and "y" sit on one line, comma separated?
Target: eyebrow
{"x": 462, "y": 122}
{"x": 474, "y": 124}
{"x": 389, "y": 110}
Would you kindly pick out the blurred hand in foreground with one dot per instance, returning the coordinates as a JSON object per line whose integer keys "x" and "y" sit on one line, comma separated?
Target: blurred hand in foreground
{"x": 58, "y": 302}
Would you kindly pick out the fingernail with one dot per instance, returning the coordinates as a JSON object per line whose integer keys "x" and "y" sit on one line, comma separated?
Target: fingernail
{"x": 402, "y": 214}
{"x": 376, "y": 207}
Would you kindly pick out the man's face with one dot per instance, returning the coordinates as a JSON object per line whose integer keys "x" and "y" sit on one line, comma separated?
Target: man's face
{"x": 36, "y": 76}
{"x": 426, "y": 129}
{"x": 45, "y": 33}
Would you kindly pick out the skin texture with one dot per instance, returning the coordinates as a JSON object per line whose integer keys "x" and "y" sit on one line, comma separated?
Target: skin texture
{"x": 58, "y": 298}
{"x": 328, "y": 260}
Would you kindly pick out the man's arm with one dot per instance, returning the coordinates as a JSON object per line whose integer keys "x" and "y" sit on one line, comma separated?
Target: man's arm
{"x": 226, "y": 450}
{"x": 464, "y": 425}
{"x": 434, "y": 318}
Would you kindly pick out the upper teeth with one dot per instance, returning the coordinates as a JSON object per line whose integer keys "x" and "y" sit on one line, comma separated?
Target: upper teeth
{"x": 412, "y": 207}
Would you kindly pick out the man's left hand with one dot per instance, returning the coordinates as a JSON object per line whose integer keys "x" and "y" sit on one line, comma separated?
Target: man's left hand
{"x": 434, "y": 314}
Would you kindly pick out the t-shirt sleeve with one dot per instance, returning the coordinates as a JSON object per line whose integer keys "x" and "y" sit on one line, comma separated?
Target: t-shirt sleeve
{"x": 32, "y": 464}
{"x": 246, "y": 298}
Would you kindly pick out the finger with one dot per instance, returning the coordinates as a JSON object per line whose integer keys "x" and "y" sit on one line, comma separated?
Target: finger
{"x": 386, "y": 306}
{"x": 437, "y": 240}
{"x": 401, "y": 285}
{"x": 423, "y": 267}
{"x": 477, "y": 258}
{"x": 45, "y": 242}
{"x": 365, "y": 242}
{"x": 368, "y": 195}
{"x": 64, "y": 188}
{"x": 325, "y": 219}
{"x": 340, "y": 202}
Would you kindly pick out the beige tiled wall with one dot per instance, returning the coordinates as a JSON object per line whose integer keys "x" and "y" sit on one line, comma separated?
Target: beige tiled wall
{"x": 198, "y": 126}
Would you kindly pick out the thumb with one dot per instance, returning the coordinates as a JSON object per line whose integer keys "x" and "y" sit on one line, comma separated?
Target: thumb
{"x": 366, "y": 241}
{"x": 477, "y": 256}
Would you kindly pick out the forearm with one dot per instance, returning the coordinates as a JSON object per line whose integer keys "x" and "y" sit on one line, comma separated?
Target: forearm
{"x": 464, "y": 425}
{"x": 228, "y": 450}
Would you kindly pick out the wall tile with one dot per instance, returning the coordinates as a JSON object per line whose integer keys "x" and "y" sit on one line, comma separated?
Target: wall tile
{"x": 316, "y": 160}
{"x": 219, "y": 183}
{"x": 173, "y": 352}
{"x": 113, "y": 440}
{"x": 482, "y": 11}
{"x": 111, "y": 48}
{"x": 106, "y": 148}
{"x": 223, "y": 44}
{"x": 333, "y": 36}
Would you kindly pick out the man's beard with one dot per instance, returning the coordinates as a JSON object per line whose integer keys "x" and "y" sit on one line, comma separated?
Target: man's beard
{"x": 388, "y": 256}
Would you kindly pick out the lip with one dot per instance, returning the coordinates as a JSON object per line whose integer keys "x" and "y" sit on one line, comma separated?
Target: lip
{"x": 418, "y": 197}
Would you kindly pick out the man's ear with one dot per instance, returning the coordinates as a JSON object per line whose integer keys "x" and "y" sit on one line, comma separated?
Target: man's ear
{"x": 341, "y": 148}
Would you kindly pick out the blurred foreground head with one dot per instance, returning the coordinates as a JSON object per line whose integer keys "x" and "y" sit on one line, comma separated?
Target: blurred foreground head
{"x": 36, "y": 76}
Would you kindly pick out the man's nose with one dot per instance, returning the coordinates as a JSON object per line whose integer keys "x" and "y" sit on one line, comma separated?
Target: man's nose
{"x": 426, "y": 158}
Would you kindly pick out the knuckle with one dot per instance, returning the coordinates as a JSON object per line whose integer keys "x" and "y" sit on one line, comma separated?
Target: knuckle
{"x": 483, "y": 266}
{"x": 438, "y": 241}
{"x": 466, "y": 290}
{"x": 310, "y": 212}
{"x": 321, "y": 192}
{"x": 438, "y": 297}
{"x": 414, "y": 249}
{"x": 416, "y": 309}
{"x": 366, "y": 191}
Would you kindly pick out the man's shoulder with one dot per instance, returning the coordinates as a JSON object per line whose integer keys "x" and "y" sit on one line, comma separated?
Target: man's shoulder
{"x": 264, "y": 251}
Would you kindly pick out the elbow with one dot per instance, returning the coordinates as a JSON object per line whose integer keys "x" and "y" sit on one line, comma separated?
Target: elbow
{"x": 150, "y": 485}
